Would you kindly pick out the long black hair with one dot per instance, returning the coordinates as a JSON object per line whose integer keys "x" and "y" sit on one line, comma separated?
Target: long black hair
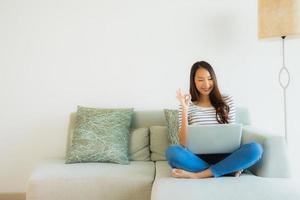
{"x": 216, "y": 99}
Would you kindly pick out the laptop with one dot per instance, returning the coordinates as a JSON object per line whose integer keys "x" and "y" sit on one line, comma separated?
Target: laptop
{"x": 214, "y": 139}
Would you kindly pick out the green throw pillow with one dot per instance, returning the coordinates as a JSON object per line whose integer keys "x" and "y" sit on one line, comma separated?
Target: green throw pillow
{"x": 172, "y": 123}
{"x": 100, "y": 135}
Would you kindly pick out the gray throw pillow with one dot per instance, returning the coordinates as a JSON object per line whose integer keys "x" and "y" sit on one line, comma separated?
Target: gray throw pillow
{"x": 100, "y": 135}
{"x": 172, "y": 124}
{"x": 139, "y": 149}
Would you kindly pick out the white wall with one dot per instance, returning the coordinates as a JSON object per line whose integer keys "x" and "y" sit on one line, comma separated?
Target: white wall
{"x": 55, "y": 55}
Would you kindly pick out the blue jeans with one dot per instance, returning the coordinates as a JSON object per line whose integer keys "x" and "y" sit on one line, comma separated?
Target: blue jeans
{"x": 242, "y": 158}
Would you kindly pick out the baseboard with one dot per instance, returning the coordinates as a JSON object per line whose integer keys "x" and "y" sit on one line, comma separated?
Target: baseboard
{"x": 12, "y": 196}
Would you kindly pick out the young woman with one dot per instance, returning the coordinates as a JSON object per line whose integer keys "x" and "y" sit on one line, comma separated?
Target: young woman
{"x": 205, "y": 105}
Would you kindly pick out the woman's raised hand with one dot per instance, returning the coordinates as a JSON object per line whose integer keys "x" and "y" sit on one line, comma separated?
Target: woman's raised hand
{"x": 184, "y": 99}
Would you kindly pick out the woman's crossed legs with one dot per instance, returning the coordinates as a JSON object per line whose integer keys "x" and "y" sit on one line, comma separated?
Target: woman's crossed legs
{"x": 185, "y": 164}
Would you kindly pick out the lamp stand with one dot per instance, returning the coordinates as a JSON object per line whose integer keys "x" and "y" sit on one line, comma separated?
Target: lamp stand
{"x": 284, "y": 87}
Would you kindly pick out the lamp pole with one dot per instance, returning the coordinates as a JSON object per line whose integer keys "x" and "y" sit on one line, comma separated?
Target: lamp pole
{"x": 284, "y": 87}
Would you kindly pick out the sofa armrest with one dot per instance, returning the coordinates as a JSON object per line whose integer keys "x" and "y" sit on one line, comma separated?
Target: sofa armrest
{"x": 274, "y": 162}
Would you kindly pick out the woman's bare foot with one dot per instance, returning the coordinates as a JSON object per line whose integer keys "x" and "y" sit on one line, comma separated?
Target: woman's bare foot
{"x": 237, "y": 173}
{"x": 180, "y": 173}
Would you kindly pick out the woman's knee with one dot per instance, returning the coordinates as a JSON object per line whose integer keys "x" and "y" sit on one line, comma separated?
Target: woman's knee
{"x": 255, "y": 149}
{"x": 173, "y": 152}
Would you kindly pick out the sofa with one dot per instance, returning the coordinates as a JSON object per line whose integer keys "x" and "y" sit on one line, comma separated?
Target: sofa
{"x": 148, "y": 174}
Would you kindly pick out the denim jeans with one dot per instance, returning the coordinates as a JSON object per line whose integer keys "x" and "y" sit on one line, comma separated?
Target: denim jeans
{"x": 242, "y": 158}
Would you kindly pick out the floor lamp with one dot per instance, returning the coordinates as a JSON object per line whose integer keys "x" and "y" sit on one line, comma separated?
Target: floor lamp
{"x": 281, "y": 19}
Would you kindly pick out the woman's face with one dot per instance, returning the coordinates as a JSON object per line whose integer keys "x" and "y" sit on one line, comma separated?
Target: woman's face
{"x": 204, "y": 82}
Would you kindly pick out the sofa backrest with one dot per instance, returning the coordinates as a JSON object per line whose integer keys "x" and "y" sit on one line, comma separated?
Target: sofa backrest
{"x": 148, "y": 118}
{"x": 157, "y": 118}
{"x": 153, "y": 145}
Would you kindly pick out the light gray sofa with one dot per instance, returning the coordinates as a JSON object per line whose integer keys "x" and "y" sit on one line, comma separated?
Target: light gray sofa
{"x": 148, "y": 174}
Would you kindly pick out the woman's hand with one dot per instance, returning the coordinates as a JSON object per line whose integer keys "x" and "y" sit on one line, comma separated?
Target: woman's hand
{"x": 184, "y": 99}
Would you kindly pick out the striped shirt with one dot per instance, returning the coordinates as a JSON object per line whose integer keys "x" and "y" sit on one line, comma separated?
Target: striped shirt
{"x": 198, "y": 115}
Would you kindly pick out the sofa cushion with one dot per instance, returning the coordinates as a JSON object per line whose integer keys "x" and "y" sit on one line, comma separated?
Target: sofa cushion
{"x": 100, "y": 135}
{"x": 172, "y": 123}
{"x": 139, "y": 144}
{"x": 246, "y": 187}
{"x": 159, "y": 142}
{"x": 54, "y": 180}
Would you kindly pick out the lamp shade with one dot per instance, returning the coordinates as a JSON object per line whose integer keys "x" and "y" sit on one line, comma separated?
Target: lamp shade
{"x": 278, "y": 18}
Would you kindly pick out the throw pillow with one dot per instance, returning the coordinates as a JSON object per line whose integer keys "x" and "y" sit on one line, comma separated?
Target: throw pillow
{"x": 159, "y": 142}
{"x": 100, "y": 135}
{"x": 172, "y": 124}
{"x": 139, "y": 149}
